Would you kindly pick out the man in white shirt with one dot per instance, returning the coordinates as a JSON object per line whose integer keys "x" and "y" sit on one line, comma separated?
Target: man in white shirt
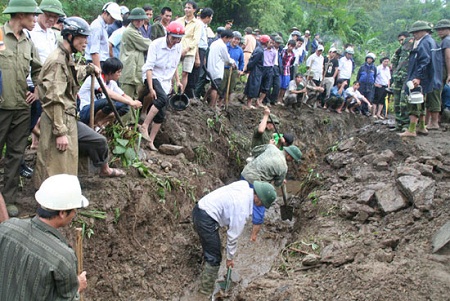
{"x": 315, "y": 63}
{"x": 229, "y": 206}
{"x": 217, "y": 58}
{"x": 97, "y": 50}
{"x": 354, "y": 98}
{"x": 158, "y": 71}
{"x": 382, "y": 82}
{"x": 346, "y": 65}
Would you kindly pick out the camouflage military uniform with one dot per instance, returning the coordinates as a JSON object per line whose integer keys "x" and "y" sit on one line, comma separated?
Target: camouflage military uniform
{"x": 400, "y": 70}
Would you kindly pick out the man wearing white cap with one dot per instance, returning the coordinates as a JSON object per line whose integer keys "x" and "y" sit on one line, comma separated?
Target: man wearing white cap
{"x": 330, "y": 71}
{"x": 315, "y": 64}
{"x": 97, "y": 50}
{"x": 36, "y": 262}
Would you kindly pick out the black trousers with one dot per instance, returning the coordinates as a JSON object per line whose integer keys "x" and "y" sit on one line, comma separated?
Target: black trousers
{"x": 208, "y": 231}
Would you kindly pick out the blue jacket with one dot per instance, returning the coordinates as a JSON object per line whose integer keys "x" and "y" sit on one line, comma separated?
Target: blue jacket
{"x": 237, "y": 55}
{"x": 425, "y": 63}
{"x": 367, "y": 74}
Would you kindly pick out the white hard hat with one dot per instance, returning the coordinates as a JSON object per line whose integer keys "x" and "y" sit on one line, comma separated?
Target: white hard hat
{"x": 124, "y": 10}
{"x": 350, "y": 50}
{"x": 319, "y": 48}
{"x": 61, "y": 192}
{"x": 371, "y": 55}
{"x": 114, "y": 10}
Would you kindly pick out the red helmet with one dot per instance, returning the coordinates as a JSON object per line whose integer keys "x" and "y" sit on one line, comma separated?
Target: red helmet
{"x": 264, "y": 39}
{"x": 175, "y": 29}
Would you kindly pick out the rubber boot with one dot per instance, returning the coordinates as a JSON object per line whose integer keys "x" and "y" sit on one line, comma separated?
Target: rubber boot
{"x": 208, "y": 278}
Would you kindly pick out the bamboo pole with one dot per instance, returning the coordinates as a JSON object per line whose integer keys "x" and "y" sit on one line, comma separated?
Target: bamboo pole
{"x": 79, "y": 254}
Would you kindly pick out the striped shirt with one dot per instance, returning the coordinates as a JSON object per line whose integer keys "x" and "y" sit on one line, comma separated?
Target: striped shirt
{"x": 36, "y": 262}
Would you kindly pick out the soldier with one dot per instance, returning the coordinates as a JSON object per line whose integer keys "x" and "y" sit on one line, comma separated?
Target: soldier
{"x": 61, "y": 134}
{"x": 132, "y": 51}
{"x": 17, "y": 60}
{"x": 400, "y": 71}
{"x": 425, "y": 70}
{"x": 443, "y": 30}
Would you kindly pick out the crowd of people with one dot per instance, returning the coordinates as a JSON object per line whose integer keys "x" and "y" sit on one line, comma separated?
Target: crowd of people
{"x": 131, "y": 65}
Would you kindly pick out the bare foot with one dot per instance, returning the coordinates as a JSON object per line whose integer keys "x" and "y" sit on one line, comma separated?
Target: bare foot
{"x": 144, "y": 133}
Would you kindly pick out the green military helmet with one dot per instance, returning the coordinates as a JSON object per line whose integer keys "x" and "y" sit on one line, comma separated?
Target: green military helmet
{"x": 265, "y": 192}
{"x": 294, "y": 152}
{"x": 420, "y": 25}
{"x": 22, "y": 6}
{"x": 278, "y": 39}
{"x": 442, "y": 24}
{"x": 273, "y": 119}
{"x": 52, "y": 6}
{"x": 137, "y": 14}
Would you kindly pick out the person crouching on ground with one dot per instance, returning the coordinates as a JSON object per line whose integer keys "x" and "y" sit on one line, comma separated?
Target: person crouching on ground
{"x": 354, "y": 98}
{"x": 163, "y": 57}
{"x": 103, "y": 112}
{"x": 228, "y": 206}
{"x": 336, "y": 101}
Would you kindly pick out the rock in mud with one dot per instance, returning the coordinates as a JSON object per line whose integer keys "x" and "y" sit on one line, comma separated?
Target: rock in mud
{"x": 442, "y": 238}
{"x": 169, "y": 149}
{"x": 310, "y": 260}
{"x": 353, "y": 210}
{"x": 404, "y": 170}
{"x": 337, "y": 254}
{"x": 426, "y": 170}
{"x": 366, "y": 197}
{"x": 339, "y": 160}
{"x": 390, "y": 199}
{"x": 383, "y": 256}
{"x": 418, "y": 190}
{"x": 350, "y": 144}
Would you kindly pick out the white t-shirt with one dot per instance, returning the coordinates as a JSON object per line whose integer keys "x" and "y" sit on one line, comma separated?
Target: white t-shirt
{"x": 383, "y": 75}
{"x": 345, "y": 68}
{"x": 85, "y": 91}
{"x": 315, "y": 63}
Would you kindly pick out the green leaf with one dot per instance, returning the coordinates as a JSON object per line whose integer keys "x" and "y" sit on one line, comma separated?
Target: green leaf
{"x": 122, "y": 142}
{"x": 119, "y": 150}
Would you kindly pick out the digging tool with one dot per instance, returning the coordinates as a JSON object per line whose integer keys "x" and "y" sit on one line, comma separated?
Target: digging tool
{"x": 222, "y": 287}
{"x": 227, "y": 95}
{"x": 102, "y": 85}
{"x": 91, "y": 109}
{"x": 79, "y": 253}
{"x": 285, "y": 210}
{"x": 276, "y": 130}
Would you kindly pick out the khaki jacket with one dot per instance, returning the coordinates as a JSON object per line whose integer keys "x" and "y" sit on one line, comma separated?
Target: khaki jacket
{"x": 192, "y": 34}
{"x": 17, "y": 61}
{"x": 58, "y": 88}
{"x": 132, "y": 50}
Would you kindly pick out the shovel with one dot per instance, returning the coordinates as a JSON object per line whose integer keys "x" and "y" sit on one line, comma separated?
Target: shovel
{"x": 285, "y": 210}
{"x": 222, "y": 287}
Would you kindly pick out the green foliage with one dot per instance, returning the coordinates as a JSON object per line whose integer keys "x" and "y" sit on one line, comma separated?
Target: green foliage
{"x": 124, "y": 143}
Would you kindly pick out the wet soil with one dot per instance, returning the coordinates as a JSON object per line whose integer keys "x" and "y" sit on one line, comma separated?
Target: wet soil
{"x": 146, "y": 248}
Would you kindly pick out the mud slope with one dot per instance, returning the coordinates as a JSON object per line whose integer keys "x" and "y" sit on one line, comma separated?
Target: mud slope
{"x": 146, "y": 248}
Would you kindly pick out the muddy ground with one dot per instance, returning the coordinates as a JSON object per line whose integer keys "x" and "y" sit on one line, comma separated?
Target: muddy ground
{"x": 146, "y": 248}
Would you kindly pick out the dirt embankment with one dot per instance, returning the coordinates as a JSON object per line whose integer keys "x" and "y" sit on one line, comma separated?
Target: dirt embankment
{"x": 146, "y": 248}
